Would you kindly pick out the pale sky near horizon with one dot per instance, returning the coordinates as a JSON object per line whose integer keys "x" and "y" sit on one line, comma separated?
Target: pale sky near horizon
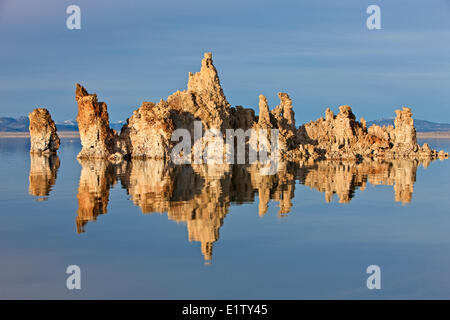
{"x": 320, "y": 52}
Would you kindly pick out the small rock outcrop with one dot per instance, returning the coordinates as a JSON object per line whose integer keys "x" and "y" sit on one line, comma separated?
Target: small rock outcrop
{"x": 404, "y": 132}
{"x": 147, "y": 133}
{"x": 43, "y": 136}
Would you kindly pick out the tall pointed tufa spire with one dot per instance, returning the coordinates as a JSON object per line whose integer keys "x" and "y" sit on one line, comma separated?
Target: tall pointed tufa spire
{"x": 206, "y": 84}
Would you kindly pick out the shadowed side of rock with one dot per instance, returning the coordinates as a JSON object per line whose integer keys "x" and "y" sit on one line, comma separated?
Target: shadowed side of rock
{"x": 43, "y": 136}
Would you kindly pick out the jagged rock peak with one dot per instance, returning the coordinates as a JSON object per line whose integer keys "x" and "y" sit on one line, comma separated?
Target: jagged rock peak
{"x": 405, "y": 133}
{"x": 264, "y": 115}
{"x": 286, "y": 107}
{"x": 43, "y": 136}
{"x": 206, "y": 83}
{"x": 346, "y": 112}
{"x": 148, "y": 131}
{"x": 329, "y": 115}
{"x": 80, "y": 91}
{"x": 363, "y": 123}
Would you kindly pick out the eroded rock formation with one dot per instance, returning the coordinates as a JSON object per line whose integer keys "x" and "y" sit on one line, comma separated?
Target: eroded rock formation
{"x": 98, "y": 140}
{"x": 148, "y": 132}
{"x": 342, "y": 137}
{"x": 43, "y": 136}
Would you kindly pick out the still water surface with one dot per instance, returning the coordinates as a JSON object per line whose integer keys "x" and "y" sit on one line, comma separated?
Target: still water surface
{"x": 148, "y": 230}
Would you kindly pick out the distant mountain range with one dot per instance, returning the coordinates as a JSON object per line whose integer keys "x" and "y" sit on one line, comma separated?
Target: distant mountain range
{"x": 21, "y": 124}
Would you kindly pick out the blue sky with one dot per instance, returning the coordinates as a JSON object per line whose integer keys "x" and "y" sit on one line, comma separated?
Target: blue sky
{"x": 320, "y": 52}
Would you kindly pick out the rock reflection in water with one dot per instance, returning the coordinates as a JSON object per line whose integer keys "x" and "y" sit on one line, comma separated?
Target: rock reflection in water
{"x": 343, "y": 178}
{"x": 96, "y": 179}
{"x": 200, "y": 195}
{"x": 43, "y": 170}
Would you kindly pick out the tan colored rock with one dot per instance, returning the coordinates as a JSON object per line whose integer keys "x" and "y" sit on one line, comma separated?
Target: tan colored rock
{"x": 285, "y": 120}
{"x": 97, "y": 139}
{"x": 43, "y": 135}
{"x": 286, "y": 107}
{"x": 342, "y": 137}
{"x": 363, "y": 123}
{"x": 148, "y": 131}
{"x": 345, "y": 126}
{"x": 329, "y": 115}
{"x": 204, "y": 97}
{"x": 264, "y": 115}
{"x": 281, "y": 119}
{"x": 384, "y": 133}
{"x": 405, "y": 133}
{"x": 205, "y": 85}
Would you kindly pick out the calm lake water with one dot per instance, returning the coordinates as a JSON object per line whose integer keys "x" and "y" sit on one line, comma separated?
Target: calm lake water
{"x": 152, "y": 231}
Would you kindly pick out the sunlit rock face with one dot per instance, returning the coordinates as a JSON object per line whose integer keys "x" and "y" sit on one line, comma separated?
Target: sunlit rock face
{"x": 43, "y": 171}
{"x": 98, "y": 140}
{"x": 282, "y": 119}
{"x": 204, "y": 101}
{"x": 342, "y": 137}
{"x": 405, "y": 133}
{"x": 212, "y": 106}
{"x": 43, "y": 136}
{"x": 149, "y": 130}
